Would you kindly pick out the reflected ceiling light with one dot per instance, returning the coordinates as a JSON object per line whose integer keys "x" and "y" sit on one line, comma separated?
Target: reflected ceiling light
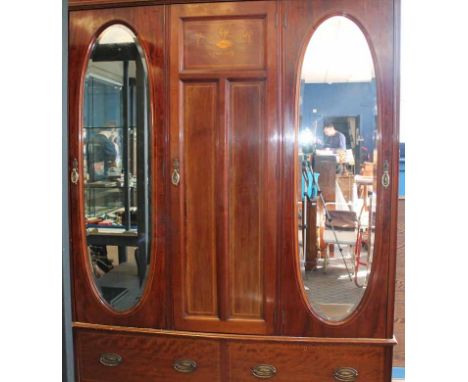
{"x": 338, "y": 53}
{"x": 306, "y": 137}
{"x": 116, "y": 34}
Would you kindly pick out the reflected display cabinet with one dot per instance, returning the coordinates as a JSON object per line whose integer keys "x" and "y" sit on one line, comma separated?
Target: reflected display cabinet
{"x": 233, "y": 189}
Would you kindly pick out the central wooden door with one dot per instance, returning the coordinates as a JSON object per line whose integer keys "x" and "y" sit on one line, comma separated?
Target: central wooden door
{"x": 224, "y": 144}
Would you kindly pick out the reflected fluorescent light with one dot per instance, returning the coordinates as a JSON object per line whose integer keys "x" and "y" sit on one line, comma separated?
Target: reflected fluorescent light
{"x": 104, "y": 79}
{"x": 306, "y": 138}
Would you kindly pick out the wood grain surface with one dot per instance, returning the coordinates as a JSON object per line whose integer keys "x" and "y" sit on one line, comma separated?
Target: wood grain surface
{"x": 305, "y": 363}
{"x": 223, "y": 89}
{"x": 151, "y": 357}
{"x": 399, "y": 350}
{"x": 96, "y": 4}
{"x": 144, "y": 358}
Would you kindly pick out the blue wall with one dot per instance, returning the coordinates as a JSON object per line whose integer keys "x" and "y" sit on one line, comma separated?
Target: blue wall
{"x": 102, "y": 103}
{"x": 341, "y": 99}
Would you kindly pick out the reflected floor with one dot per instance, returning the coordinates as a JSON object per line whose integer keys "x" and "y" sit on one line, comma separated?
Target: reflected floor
{"x": 330, "y": 291}
{"x": 123, "y": 276}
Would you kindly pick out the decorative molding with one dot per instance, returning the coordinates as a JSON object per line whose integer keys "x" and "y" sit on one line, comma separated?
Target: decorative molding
{"x": 95, "y": 4}
{"x": 243, "y": 337}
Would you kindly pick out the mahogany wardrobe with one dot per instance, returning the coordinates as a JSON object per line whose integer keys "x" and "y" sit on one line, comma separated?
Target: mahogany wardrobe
{"x": 233, "y": 189}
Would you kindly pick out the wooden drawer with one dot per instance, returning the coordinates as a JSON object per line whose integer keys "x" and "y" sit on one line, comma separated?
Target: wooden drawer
{"x": 145, "y": 357}
{"x": 307, "y": 362}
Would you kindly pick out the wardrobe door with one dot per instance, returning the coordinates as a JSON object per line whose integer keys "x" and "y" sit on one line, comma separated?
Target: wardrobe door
{"x": 116, "y": 157}
{"x": 373, "y": 21}
{"x": 224, "y": 162}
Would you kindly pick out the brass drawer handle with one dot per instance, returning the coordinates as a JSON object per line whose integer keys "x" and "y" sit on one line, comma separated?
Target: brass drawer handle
{"x": 345, "y": 374}
{"x": 263, "y": 371}
{"x": 110, "y": 359}
{"x": 185, "y": 365}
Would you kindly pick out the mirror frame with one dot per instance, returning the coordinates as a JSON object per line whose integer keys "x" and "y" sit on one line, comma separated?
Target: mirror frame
{"x": 147, "y": 121}
{"x": 378, "y": 146}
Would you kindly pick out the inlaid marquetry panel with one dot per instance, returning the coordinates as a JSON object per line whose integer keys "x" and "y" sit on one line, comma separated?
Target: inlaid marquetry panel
{"x": 245, "y": 131}
{"x": 199, "y": 121}
{"x": 226, "y": 43}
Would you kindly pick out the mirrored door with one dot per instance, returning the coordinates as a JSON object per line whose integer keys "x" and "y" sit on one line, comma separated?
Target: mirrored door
{"x": 116, "y": 159}
{"x": 115, "y": 140}
{"x": 337, "y": 161}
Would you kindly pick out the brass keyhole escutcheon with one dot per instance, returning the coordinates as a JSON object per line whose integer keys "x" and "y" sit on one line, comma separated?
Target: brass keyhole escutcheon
{"x": 175, "y": 178}
{"x": 75, "y": 176}
{"x": 386, "y": 175}
{"x": 264, "y": 371}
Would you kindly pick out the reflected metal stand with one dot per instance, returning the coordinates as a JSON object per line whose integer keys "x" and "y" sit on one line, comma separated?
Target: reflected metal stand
{"x": 360, "y": 242}
{"x": 307, "y": 167}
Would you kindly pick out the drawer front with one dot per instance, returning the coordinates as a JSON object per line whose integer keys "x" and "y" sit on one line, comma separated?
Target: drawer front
{"x": 117, "y": 357}
{"x": 306, "y": 363}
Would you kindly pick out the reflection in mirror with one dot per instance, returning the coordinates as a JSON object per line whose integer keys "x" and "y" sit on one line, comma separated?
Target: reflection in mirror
{"x": 336, "y": 188}
{"x": 115, "y": 151}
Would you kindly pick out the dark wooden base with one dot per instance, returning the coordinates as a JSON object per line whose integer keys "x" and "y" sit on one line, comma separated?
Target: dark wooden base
{"x": 149, "y": 355}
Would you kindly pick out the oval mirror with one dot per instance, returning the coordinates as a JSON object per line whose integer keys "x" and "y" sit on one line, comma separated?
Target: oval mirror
{"x": 115, "y": 138}
{"x": 335, "y": 182}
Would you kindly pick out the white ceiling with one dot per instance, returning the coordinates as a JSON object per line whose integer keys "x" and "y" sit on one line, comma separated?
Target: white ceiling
{"x": 337, "y": 52}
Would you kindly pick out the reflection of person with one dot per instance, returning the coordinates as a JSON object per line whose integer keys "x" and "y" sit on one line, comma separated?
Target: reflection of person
{"x": 333, "y": 138}
{"x": 102, "y": 153}
{"x": 335, "y": 141}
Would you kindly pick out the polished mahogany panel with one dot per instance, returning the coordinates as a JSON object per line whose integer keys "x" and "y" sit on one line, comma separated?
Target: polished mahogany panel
{"x": 223, "y": 120}
{"x": 84, "y": 27}
{"x": 149, "y": 355}
{"x": 235, "y": 43}
{"x": 305, "y": 363}
{"x": 300, "y": 18}
{"x": 199, "y": 262}
{"x": 144, "y": 357}
{"x": 86, "y": 4}
{"x": 246, "y": 166}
